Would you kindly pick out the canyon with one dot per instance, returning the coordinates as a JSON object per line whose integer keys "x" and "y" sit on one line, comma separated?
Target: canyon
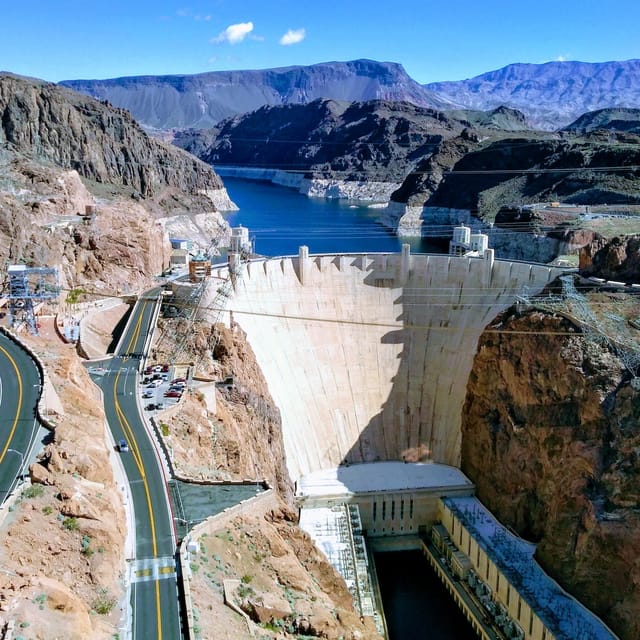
{"x": 336, "y": 358}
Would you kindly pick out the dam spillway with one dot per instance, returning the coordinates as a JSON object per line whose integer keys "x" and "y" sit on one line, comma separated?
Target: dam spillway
{"x": 368, "y": 356}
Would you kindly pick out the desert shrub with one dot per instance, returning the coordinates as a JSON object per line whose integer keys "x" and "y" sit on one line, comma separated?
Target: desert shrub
{"x": 33, "y": 491}
{"x": 104, "y": 602}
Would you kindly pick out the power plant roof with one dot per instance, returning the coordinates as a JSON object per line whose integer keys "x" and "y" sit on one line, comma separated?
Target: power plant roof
{"x": 381, "y": 476}
{"x": 561, "y": 613}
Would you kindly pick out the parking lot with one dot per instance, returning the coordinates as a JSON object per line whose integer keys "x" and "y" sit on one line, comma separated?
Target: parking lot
{"x": 161, "y": 386}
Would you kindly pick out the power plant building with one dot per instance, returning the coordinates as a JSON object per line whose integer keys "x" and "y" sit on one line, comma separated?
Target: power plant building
{"x": 484, "y": 564}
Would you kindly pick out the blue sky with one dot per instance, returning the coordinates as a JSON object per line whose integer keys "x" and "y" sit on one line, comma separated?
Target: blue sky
{"x": 68, "y": 39}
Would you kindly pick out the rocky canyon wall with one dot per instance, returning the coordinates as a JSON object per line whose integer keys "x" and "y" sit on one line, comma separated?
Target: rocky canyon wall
{"x": 550, "y": 437}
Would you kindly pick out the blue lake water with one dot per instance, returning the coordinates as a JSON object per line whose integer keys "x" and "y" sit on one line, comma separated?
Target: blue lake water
{"x": 281, "y": 220}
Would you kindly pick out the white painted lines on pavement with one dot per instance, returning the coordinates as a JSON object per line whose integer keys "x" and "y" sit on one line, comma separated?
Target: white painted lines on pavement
{"x": 152, "y": 569}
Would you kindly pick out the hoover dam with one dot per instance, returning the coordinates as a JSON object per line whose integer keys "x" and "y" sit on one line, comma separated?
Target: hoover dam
{"x": 368, "y": 356}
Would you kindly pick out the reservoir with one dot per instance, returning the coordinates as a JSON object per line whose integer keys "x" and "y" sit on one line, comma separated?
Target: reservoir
{"x": 416, "y": 604}
{"x": 281, "y": 220}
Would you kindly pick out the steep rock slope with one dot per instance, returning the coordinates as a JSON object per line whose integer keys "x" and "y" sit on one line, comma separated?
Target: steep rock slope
{"x": 61, "y": 153}
{"x": 550, "y": 437}
{"x": 63, "y": 543}
{"x": 201, "y": 100}
{"x": 612, "y": 119}
{"x": 244, "y": 438}
{"x": 375, "y": 140}
{"x": 616, "y": 260}
{"x": 56, "y": 125}
{"x": 509, "y": 170}
{"x": 551, "y": 94}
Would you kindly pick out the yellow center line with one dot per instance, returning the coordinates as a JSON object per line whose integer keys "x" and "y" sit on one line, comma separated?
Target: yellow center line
{"x": 19, "y": 407}
{"x": 126, "y": 427}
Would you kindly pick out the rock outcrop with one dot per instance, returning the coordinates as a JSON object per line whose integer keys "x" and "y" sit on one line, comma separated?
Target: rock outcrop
{"x": 104, "y": 144}
{"x": 244, "y": 437}
{"x": 377, "y": 140}
{"x": 550, "y": 437}
{"x": 617, "y": 260}
{"x": 63, "y": 541}
{"x": 86, "y": 190}
{"x": 284, "y": 583}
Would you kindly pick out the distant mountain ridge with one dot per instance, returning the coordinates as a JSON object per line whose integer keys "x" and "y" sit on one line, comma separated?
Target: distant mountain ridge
{"x": 201, "y": 100}
{"x": 551, "y": 95}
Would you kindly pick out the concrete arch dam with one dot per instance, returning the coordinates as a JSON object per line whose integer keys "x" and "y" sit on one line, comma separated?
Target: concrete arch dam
{"x": 368, "y": 356}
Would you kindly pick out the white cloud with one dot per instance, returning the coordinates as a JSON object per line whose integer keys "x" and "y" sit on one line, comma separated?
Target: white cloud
{"x": 293, "y": 36}
{"x": 234, "y": 33}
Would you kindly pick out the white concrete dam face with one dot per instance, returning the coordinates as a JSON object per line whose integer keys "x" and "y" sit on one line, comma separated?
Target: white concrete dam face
{"x": 367, "y": 357}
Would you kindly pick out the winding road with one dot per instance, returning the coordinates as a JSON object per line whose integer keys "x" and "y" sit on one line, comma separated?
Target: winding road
{"x": 20, "y": 387}
{"x": 154, "y": 587}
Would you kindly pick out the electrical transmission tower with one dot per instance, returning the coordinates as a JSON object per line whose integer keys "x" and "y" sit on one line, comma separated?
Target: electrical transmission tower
{"x": 608, "y": 330}
{"x": 29, "y": 286}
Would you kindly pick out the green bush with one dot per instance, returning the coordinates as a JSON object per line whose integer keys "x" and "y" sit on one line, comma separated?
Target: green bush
{"x": 47, "y": 509}
{"x": 86, "y": 546}
{"x": 33, "y": 491}
{"x": 70, "y": 523}
{"x": 103, "y": 602}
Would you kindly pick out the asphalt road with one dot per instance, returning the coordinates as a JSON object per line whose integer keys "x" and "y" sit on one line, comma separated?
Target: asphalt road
{"x": 19, "y": 393}
{"x": 154, "y": 589}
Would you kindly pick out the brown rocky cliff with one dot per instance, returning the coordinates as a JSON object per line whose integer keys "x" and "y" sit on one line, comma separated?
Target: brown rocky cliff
{"x": 550, "y": 437}
{"x": 104, "y": 144}
{"x": 618, "y": 259}
{"x": 62, "y": 544}
{"x": 244, "y": 438}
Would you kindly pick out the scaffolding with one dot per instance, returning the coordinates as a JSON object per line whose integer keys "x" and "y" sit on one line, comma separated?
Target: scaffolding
{"x": 238, "y": 256}
{"x": 29, "y": 286}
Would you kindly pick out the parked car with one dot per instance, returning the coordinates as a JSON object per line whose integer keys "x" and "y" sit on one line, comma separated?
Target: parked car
{"x": 151, "y": 406}
{"x": 159, "y": 406}
{"x": 148, "y": 394}
{"x": 176, "y": 380}
{"x": 123, "y": 447}
{"x": 157, "y": 368}
{"x": 173, "y": 394}
{"x": 165, "y": 368}
{"x": 148, "y": 371}
{"x": 154, "y": 384}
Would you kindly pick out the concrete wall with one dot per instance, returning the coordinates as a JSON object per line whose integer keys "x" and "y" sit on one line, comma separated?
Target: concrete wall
{"x": 368, "y": 357}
